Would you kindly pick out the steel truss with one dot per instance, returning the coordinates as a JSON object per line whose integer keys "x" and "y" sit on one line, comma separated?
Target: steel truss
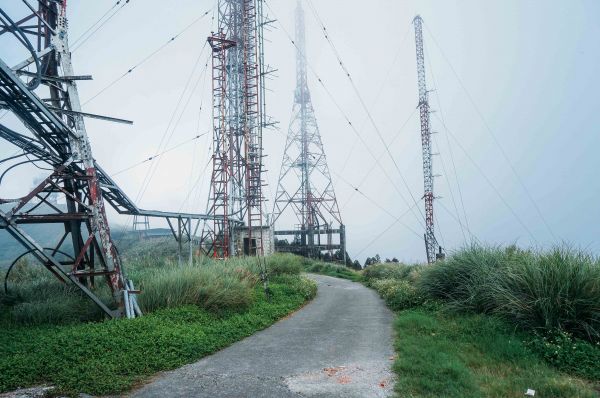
{"x": 305, "y": 186}
{"x": 47, "y": 104}
{"x": 431, "y": 245}
{"x": 238, "y": 120}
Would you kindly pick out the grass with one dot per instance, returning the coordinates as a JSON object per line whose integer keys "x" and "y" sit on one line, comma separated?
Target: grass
{"x": 110, "y": 357}
{"x": 471, "y": 356}
{"x": 52, "y": 335}
{"x": 543, "y": 292}
{"x": 331, "y": 269}
{"x": 492, "y": 321}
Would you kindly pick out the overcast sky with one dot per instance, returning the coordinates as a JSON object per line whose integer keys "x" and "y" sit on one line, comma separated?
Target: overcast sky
{"x": 522, "y": 71}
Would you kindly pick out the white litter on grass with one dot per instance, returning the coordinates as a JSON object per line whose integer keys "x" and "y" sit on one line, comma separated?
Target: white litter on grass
{"x": 530, "y": 392}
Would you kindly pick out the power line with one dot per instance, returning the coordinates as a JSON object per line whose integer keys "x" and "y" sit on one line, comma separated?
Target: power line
{"x": 364, "y": 105}
{"x": 451, "y": 154}
{"x": 385, "y": 231}
{"x": 381, "y": 207}
{"x": 80, "y": 41}
{"x": 366, "y": 176}
{"x": 95, "y": 23}
{"x": 347, "y": 119}
{"x": 489, "y": 130}
{"x": 379, "y": 92}
{"x": 153, "y": 157}
{"x": 490, "y": 183}
{"x": 146, "y": 58}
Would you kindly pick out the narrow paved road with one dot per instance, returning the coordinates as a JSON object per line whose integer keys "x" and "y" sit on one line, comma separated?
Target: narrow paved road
{"x": 339, "y": 345}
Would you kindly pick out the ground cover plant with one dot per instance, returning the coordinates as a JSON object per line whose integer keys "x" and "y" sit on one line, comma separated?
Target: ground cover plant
{"x": 331, "y": 269}
{"x": 190, "y": 312}
{"x": 547, "y": 304}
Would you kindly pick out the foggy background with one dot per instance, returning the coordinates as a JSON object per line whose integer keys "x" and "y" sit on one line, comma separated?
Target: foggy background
{"x": 526, "y": 69}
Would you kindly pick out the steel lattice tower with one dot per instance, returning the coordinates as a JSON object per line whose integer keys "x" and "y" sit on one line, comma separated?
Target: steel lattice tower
{"x": 48, "y": 106}
{"x": 305, "y": 186}
{"x": 236, "y": 185}
{"x": 431, "y": 244}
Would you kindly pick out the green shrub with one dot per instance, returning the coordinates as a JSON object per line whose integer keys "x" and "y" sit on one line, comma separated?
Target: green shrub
{"x": 388, "y": 271}
{"x": 568, "y": 354}
{"x": 557, "y": 290}
{"x": 398, "y": 294}
{"x": 331, "y": 269}
{"x": 463, "y": 279}
{"x": 279, "y": 264}
{"x": 36, "y": 297}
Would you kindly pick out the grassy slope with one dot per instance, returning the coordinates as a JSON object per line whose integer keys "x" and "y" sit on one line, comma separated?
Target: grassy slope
{"x": 110, "y": 357}
{"x": 471, "y": 356}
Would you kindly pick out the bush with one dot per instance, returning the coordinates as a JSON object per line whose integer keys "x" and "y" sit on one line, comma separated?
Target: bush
{"x": 558, "y": 290}
{"x": 568, "y": 354}
{"x": 391, "y": 271}
{"x": 279, "y": 264}
{"x": 398, "y": 294}
{"x": 546, "y": 292}
{"x": 36, "y": 297}
{"x": 332, "y": 269}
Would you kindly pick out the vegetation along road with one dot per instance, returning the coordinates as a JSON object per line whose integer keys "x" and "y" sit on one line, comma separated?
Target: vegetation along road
{"x": 327, "y": 349}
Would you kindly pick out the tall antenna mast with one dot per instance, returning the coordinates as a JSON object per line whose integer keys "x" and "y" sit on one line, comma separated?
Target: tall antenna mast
{"x": 236, "y": 198}
{"x": 305, "y": 187}
{"x": 431, "y": 244}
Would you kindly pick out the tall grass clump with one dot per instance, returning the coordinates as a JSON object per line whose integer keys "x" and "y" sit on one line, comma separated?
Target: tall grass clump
{"x": 396, "y": 271}
{"x": 557, "y": 290}
{"x": 464, "y": 280}
{"x": 213, "y": 286}
{"x": 285, "y": 263}
{"x": 36, "y": 297}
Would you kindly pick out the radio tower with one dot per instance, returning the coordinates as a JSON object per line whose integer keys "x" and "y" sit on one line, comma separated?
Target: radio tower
{"x": 431, "y": 244}
{"x": 45, "y": 100}
{"x": 305, "y": 187}
{"x": 236, "y": 199}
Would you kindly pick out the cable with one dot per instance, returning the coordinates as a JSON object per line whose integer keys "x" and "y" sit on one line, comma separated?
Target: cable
{"x": 434, "y": 142}
{"x": 157, "y": 155}
{"x": 364, "y": 106}
{"x": 396, "y": 221}
{"x": 347, "y": 119}
{"x": 95, "y": 23}
{"x": 81, "y": 41}
{"x": 496, "y": 141}
{"x": 146, "y": 58}
{"x": 373, "y": 166}
{"x": 379, "y": 206}
{"x": 490, "y": 183}
{"x": 379, "y": 92}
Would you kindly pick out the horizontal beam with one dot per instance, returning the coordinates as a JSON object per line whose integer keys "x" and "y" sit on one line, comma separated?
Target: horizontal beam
{"x": 314, "y": 231}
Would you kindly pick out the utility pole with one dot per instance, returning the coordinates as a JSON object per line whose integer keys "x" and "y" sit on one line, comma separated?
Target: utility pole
{"x": 305, "y": 188}
{"x": 431, "y": 244}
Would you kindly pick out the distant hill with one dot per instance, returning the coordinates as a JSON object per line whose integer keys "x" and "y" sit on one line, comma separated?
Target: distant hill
{"x": 45, "y": 234}
{"x": 161, "y": 240}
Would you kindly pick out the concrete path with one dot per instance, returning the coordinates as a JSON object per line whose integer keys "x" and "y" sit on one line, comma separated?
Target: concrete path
{"x": 339, "y": 345}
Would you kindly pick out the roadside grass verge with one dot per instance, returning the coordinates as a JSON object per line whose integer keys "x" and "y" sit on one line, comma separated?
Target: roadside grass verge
{"x": 459, "y": 319}
{"x": 51, "y": 334}
{"x": 110, "y": 357}
{"x": 331, "y": 269}
{"x": 441, "y": 355}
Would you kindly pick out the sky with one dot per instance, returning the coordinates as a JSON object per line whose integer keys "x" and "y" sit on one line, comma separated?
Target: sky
{"x": 515, "y": 95}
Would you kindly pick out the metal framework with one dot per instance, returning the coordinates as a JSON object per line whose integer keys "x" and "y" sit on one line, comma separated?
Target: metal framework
{"x": 238, "y": 120}
{"x": 431, "y": 244}
{"x": 305, "y": 187}
{"x": 45, "y": 103}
